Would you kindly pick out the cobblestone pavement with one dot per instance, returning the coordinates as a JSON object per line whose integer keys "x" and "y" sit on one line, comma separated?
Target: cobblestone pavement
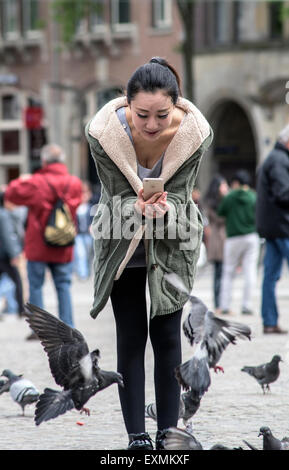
{"x": 233, "y": 409}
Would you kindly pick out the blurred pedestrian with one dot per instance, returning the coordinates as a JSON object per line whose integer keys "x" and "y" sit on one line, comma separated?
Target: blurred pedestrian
{"x": 241, "y": 246}
{"x": 10, "y": 250}
{"x": 217, "y": 189}
{"x": 39, "y": 193}
{"x": 83, "y": 249}
{"x": 273, "y": 225}
{"x": 19, "y": 217}
{"x": 8, "y": 302}
{"x": 197, "y": 198}
{"x": 150, "y": 132}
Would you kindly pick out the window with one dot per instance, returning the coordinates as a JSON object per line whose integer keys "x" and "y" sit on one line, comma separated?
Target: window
{"x": 97, "y": 19}
{"x": 120, "y": 11}
{"x": 161, "y": 13}
{"x": 20, "y": 20}
{"x": 12, "y": 173}
{"x": 94, "y": 21}
{"x": 9, "y": 107}
{"x": 30, "y": 15}
{"x": 103, "y": 96}
{"x": 276, "y": 24}
{"x": 10, "y": 20}
{"x": 10, "y": 142}
{"x": 222, "y": 22}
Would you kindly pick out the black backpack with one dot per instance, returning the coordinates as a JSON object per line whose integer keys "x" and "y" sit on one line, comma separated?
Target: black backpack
{"x": 60, "y": 229}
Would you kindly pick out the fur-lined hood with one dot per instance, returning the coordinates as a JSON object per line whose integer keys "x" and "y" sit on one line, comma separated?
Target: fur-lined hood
{"x": 107, "y": 129}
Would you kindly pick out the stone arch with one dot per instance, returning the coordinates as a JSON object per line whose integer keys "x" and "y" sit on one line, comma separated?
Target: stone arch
{"x": 235, "y": 143}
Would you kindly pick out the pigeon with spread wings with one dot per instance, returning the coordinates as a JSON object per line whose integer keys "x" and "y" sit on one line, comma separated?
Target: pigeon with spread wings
{"x": 72, "y": 365}
{"x": 210, "y": 334}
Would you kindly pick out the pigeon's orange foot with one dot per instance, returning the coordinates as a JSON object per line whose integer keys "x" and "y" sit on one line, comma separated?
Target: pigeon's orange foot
{"x": 217, "y": 368}
{"x": 85, "y": 410}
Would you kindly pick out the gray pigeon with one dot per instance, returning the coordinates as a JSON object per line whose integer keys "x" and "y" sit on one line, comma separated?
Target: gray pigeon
{"x": 265, "y": 374}
{"x": 210, "y": 334}
{"x": 222, "y": 447}
{"x": 189, "y": 405}
{"x": 183, "y": 439}
{"x": 180, "y": 439}
{"x": 22, "y": 391}
{"x": 72, "y": 365}
{"x": 270, "y": 442}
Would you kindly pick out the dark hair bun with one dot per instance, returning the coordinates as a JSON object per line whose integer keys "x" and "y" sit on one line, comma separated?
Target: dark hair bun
{"x": 164, "y": 63}
{"x": 155, "y": 74}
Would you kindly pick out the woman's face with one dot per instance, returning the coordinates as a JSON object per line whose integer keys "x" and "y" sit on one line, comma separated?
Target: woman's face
{"x": 224, "y": 188}
{"x": 151, "y": 113}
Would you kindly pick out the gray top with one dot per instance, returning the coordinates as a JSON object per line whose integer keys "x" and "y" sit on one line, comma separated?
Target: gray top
{"x": 138, "y": 258}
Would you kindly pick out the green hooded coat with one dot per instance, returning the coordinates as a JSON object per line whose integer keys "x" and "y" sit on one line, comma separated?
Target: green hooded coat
{"x": 171, "y": 246}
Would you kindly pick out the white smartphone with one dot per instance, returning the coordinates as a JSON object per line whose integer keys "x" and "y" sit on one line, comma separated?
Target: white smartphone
{"x": 152, "y": 186}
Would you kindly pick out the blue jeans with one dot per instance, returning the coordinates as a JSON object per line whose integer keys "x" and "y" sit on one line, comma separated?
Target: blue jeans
{"x": 7, "y": 290}
{"x": 83, "y": 253}
{"x": 61, "y": 274}
{"x": 276, "y": 251}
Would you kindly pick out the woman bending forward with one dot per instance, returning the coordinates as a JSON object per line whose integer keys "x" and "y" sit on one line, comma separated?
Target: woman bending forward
{"x": 151, "y": 132}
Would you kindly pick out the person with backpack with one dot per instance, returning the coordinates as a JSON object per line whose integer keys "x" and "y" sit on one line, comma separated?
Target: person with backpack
{"x": 51, "y": 194}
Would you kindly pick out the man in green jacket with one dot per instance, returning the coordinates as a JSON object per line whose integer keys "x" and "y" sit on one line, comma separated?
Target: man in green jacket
{"x": 242, "y": 243}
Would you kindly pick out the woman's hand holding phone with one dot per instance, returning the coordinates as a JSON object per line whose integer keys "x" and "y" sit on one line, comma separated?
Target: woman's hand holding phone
{"x": 154, "y": 207}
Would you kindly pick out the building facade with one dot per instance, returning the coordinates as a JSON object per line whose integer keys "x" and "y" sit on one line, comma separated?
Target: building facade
{"x": 49, "y": 91}
{"x": 242, "y": 81}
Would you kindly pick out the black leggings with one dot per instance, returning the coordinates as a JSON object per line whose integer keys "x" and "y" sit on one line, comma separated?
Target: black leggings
{"x": 128, "y": 299}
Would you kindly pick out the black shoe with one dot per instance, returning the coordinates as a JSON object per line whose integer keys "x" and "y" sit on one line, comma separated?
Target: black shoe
{"x": 140, "y": 441}
{"x": 160, "y": 437}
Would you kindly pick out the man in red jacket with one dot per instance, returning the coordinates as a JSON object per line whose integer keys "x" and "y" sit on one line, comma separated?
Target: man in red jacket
{"x": 35, "y": 192}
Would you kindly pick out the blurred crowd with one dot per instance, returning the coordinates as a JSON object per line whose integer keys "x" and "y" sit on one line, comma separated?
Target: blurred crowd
{"x": 246, "y": 227}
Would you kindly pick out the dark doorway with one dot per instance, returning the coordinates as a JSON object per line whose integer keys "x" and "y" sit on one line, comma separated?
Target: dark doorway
{"x": 233, "y": 145}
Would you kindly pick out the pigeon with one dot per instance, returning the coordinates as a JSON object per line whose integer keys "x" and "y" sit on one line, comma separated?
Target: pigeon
{"x": 272, "y": 443}
{"x": 269, "y": 441}
{"x": 181, "y": 439}
{"x": 222, "y": 447}
{"x": 22, "y": 390}
{"x": 73, "y": 367}
{"x": 266, "y": 373}
{"x": 210, "y": 334}
{"x": 189, "y": 405}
